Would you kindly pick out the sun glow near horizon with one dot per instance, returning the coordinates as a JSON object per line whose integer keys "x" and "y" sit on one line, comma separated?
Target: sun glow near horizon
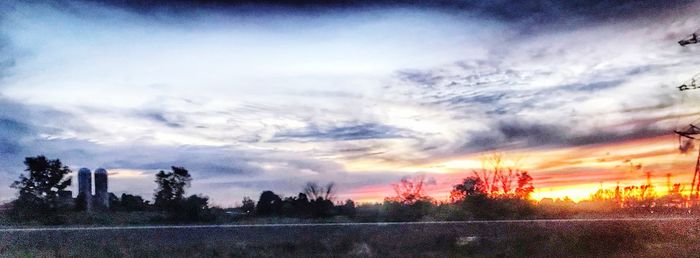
{"x": 570, "y": 172}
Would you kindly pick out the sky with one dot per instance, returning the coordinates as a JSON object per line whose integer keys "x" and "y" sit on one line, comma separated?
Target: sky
{"x": 252, "y": 96}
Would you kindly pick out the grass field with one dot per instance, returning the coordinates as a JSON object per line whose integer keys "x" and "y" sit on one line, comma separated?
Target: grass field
{"x": 669, "y": 238}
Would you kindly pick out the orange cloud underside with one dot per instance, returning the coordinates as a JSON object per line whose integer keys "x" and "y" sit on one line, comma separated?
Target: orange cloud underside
{"x": 575, "y": 172}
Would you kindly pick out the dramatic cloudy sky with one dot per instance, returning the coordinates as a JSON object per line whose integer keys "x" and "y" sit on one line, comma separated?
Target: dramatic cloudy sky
{"x": 252, "y": 96}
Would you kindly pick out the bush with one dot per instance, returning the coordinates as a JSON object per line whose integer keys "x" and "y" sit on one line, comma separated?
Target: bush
{"x": 397, "y": 211}
{"x": 489, "y": 208}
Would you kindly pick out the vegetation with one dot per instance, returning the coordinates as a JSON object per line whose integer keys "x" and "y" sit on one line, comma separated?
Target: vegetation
{"x": 39, "y": 191}
{"x": 496, "y": 191}
{"x": 542, "y": 239}
{"x": 315, "y": 202}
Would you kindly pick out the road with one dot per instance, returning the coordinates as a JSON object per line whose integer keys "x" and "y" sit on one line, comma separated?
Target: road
{"x": 296, "y": 225}
{"x": 623, "y": 237}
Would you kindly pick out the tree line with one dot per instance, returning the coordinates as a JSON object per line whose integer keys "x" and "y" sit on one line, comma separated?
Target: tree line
{"x": 42, "y": 196}
{"x": 496, "y": 191}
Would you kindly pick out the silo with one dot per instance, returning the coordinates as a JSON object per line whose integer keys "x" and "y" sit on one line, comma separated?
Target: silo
{"x": 101, "y": 194}
{"x": 85, "y": 188}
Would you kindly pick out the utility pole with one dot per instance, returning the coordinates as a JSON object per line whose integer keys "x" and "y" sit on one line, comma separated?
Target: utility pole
{"x": 690, "y": 134}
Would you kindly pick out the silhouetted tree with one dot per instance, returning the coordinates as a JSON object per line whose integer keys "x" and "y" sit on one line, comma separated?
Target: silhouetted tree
{"x": 348, "y": 209}
{"x": 499, "y": 180}
{"x": 130, "y": 202}
{"x": 470, "y": 187}
{"x": 410, "y": 203}
{"x": 171, "y": 188}
{"x": 39, "y": 189}
{"x": 194, "y": 208}
{"x": 525, "y": 187}
{"x": 321, "y": 208}
{"x": 314, "y": 191}
{"x": 298, "y": 206}
{"x": 268, "y": 204}
{"x": 410, "y": 190}
{"x": 248, "y": 206}
{"x": 495, "y": 192}
{"x": 114, "y": 201}
{"x": 411, "y": 211}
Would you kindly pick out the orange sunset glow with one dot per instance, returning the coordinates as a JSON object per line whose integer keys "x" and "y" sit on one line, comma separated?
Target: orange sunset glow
{"x": 574, "y": 172}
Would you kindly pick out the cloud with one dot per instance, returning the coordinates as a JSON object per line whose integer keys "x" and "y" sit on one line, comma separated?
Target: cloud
{"x": 10, "y": 131}
{"x": 350, "y": 132}
{"x": 536, "y": 11}
{"x": 161, "y": 118}
{"x": 256, "y": 97}
{"x": 513, "y": 134}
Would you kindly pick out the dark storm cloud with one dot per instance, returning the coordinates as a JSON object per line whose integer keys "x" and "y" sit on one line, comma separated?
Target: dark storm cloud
{"x": 13, "y": 127}
{"x": 538, "y": 10}
{"x": 363, "y": 131}
{"x": 639, "y": 132}
{"x": 10, "y": 131}
{"x": 516, "y": 134}
{"x": 519, "y": 134}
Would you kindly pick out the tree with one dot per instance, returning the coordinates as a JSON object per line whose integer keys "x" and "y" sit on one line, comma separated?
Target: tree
{"x": 496, "y": 191}
{"x": 248, "y": 206}
{"x": 314, "y": 191}
{"x": 171, "y": 188}
{"x": 132, "y": 203}
{"x": 194, "y": 208}
{"x": 410, "y": 203}
{"x": 410, "y": 190}
{"x": 348, "y": 209}
{"x": 525, "y": 187}
{"x": 499, "y": 180}
{"x": 39, "y": 190}
{"x": 268, "y": 204}
{"x": 470, "y": 187}
{"x": 297, "y": 206}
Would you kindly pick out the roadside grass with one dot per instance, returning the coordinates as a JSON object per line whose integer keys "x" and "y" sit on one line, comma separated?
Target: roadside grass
{"x": 537, "y": 239}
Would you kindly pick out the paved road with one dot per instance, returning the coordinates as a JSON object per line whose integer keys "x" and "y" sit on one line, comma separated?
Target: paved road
{"x": 301, "y": 225}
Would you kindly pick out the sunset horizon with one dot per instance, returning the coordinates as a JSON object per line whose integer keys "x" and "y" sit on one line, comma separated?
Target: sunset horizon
{"x": 257, "y": 97}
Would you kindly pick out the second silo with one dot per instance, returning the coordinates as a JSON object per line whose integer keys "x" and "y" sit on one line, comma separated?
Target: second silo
{"x": 101, "y": 193}
{"x": 85, "y": 188}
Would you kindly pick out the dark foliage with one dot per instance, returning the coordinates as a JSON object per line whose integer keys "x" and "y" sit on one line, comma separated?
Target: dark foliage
{"x": 129, "y": 202}
{"x": 171, "y": 188}
{"x": 80, "y": 202}
{"x": 301, "y": 206}
{"x": 398, "y": 211}
{"x": 473, "y": 196}
{"x": 348, "y": 209}
{"x": 248, "y": 206}
{"x": 39, "y": 190}
{"x": 170, "y": 197}
{"x": 194, "y": 208}
{"x": 268, "y": 204}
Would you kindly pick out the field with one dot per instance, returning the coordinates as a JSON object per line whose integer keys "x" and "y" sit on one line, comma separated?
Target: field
{"x": 553, "y": 238}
